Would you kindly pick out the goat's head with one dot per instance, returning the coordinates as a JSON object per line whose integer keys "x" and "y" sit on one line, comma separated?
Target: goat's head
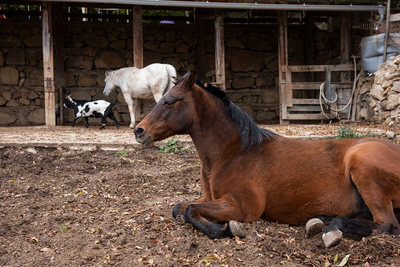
{"x": 69, "y": 102}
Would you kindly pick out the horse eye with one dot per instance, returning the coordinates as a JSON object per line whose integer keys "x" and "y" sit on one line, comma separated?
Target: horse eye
{"x": 169, "y": 103}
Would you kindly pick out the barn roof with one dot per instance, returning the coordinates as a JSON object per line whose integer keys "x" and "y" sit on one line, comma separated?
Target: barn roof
{"x": 257, "y": 5}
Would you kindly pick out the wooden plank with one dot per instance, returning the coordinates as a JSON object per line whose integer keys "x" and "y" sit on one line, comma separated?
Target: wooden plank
{"x": 305, "y": 109}
{"x": 59, "y": 41}
{"x": 48, "y": 65}
{"x": 288, "y": 93}
{"x": 394, "y": 17}
{"x": 316, "y": 85}
{"x": 199, "y": 28}
{"x": 321, "y": 68}
{"x": 137, "y": 36}
{"x": 309, "y": 101}
{"x": 282, "y": 61}
{"x": 219, "y": 48}
{"x": 310, "y": 116}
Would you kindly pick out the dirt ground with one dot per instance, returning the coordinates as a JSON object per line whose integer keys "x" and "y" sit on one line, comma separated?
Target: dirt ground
{"x": 85, "y": 197}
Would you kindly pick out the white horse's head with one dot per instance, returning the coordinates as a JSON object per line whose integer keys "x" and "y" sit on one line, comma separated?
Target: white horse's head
{"x": 109, "y": 83}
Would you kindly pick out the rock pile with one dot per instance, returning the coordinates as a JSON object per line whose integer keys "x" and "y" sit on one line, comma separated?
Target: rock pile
{"x": 379, "y": 99}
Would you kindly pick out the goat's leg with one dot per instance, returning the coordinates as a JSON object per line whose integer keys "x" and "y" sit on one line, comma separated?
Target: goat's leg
{"x": 103, "y": 122}
{"x": 87, "y": 122}
{"x": 73, "y": 123}
{"x": 112, "y": 117}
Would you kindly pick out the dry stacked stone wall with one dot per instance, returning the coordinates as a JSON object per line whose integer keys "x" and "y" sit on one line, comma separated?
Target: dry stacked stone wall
{"x": 379, "y": 95}
{"x": 91, "y": 48}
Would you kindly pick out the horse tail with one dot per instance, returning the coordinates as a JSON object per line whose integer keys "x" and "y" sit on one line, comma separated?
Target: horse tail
{"x": 171, "y": 76}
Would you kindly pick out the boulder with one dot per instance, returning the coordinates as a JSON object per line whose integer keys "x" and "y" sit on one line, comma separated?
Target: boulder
{"x": 265, "y": 116}
{"x": 15, "y": 57}
{"x": 37, "y": 116}
{"x": 69, "y": 79}
{"x": 34, "y": 41}
{"x": 96, "y": 41}
{"x": 8, "y": 40}
{"x": 34, "y": 56}
{"x": 7, "y": 118}
{"x": 2, "y": 101}
{"x": 109, "y": 60}
{"x": 9, "y": 76}
{"x": 235, "y": 43}
{"x": 377, "y": 91}
{"x": 24, "y": 33}
{"x": 35, "y": 78}
{"x": 391, "y": 102}
{"x": 79, "y": 62}
{"x": 243, "y": 82}
{"x": 120, "y": 44}
{"x": 88, "y": 51}
{"x": 86, "y": 81}
{"x": 243, "y": 60}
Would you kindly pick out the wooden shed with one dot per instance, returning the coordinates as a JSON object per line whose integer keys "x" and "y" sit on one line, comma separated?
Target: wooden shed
{"x": 299, "y": 86}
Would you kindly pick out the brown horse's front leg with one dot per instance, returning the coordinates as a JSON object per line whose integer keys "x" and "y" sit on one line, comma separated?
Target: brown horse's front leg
{"x": 222, "y": 210}
{"x": 180, "y": 208}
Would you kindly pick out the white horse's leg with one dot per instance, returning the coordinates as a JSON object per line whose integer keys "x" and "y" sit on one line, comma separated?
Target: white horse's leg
{"x": 132, "y": 104}
{"x": 157, "y": 97}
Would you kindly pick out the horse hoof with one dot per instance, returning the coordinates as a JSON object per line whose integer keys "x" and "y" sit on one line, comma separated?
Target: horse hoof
{"x": 180, "y": 218}
{"x": 332, "y": 238}
{"x": 314, "y": 226}
{"x": 236, "y": 229}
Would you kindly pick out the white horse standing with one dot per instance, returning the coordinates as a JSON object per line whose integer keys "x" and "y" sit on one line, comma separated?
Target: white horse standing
{"x": 151, "y": 81}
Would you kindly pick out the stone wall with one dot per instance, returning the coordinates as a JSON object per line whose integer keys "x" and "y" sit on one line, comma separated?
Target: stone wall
{"x": 91, "y": 48}
{"x": 379, "y": 95}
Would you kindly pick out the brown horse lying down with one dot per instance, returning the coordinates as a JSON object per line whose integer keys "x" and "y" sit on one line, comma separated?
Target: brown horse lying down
{"x": 250, "y": 173}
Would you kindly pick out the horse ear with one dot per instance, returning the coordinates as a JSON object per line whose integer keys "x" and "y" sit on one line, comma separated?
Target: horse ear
{"x": 189, "y": 79}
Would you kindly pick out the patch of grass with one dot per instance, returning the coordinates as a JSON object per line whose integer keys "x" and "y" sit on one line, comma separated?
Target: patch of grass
{"x": 347, "y": 132}
{"x": 122, "y": 153}
{"x": 63, "y": 228}
{"x": 172, "y": 147}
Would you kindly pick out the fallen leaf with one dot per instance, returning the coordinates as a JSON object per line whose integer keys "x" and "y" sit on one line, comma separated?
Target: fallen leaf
{"x": 48, "y": 250}
{"x": 344, "y": 261}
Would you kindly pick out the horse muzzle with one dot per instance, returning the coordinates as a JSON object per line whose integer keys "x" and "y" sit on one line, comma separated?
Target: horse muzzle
{"x": 143, "y": 137}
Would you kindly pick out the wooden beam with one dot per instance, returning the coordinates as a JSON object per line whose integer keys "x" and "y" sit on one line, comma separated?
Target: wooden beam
{"x": 321, "y": 68}
{"x": 199, "y": 28}
{"x": 59, "y": 41}
{"x": 48, "y": 66}
{"x": 137, "y": 37}
{"x": 345, "y": 42}
{"x": 219, "y": 48}
{"x": 283, "y": 62}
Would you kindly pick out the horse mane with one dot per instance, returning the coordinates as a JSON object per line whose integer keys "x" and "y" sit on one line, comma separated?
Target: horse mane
{"x": 250, "y": 134}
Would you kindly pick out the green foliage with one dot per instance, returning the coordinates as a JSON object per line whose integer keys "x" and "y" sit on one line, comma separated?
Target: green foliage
{"x": 63, "y": 228}
{"x": 122, "y": 153}
{"x": 346, "y": 133}
{"x": 172, "y": 147}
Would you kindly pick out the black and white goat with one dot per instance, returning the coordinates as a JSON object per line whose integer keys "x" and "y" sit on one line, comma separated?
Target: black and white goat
{"x": 85, "y": 109}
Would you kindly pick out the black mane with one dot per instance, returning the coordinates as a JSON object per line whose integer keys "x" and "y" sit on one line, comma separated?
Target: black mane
{"x": 250, "y": 134}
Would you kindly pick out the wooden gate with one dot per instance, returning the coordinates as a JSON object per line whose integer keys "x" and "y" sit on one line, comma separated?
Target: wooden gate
{"x": 300, "y": 100}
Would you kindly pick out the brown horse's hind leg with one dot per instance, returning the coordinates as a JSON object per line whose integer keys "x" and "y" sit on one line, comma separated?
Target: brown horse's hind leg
{"x": 222, "y": 210}
{"x": 374, "y": 169}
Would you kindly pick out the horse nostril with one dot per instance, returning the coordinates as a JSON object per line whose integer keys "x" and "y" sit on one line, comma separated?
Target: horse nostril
{"x": 139, "y": 131}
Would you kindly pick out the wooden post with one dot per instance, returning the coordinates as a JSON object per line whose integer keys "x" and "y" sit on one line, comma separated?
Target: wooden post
{"x": 219, "y": 49}
{"x": 345, "y": 42}
{"x": 59, "y": 58}
{"x": 199, "y": 24}
{"x": 137, "y": 47}
{"x": 48, "y": 66}
{"x": 310, "y": 38}
{"x": 137, "y": 37}
{"x": 283, "y": 63}
{"x": 386, "y": 31}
